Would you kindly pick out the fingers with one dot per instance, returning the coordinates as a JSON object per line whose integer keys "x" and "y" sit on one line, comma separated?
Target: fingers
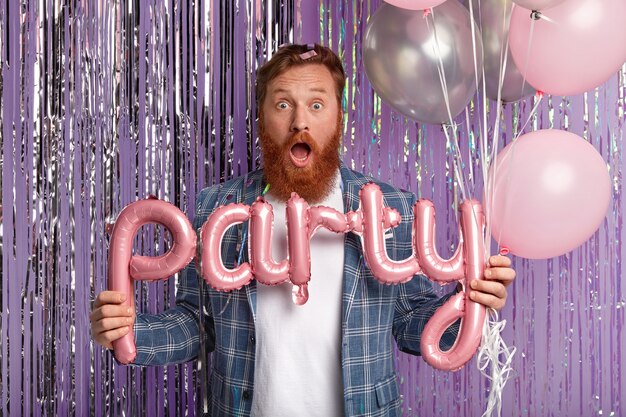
{"x": 109, "y": 297}
{"x": 489, "y": 299}
{"x": 491, "y": 291}
{"x": 112, "y": 323}
{"x": 493, "y": 288}
{"x": 111, "y": 310}
{"x": 499, "y": 270}
{"x": 110, "y": 319}
{"x": 106, "y": 338}
{"x": 499, "y": 260}
{"x": 503, "y": 275}
{"x": 491, "y": 294}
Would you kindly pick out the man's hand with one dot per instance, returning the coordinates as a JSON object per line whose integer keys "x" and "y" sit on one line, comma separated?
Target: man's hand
{"x": 110, "y": 320}
{"x": 491, "y": 291}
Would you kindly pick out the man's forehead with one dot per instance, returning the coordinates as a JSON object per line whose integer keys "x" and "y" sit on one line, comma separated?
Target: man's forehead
{"x": 313, "y": 78}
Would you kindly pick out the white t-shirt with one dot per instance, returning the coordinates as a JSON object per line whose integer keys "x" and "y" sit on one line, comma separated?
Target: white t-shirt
{"x": 298, "y": 348}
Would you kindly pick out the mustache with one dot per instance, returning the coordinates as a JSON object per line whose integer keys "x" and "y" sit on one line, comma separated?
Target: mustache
{"x": 313, "y": 183}
{"x": 302, "y": 137}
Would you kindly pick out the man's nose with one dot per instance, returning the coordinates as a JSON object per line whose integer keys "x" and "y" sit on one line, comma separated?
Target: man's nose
{"x": 300, "y": 121}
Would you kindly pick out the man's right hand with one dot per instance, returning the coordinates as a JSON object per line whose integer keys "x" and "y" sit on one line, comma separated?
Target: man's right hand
{"x": 110, "y": 319}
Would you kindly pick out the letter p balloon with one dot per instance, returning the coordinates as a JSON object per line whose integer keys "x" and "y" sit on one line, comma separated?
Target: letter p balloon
{"x": 124, "y": 267}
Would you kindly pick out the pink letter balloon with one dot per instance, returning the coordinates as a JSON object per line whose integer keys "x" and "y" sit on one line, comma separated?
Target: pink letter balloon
{"x": 370, "y": 223}
{"x": 459, "y": 306}
{"x": 551, "y": 191}
{"x": 124, "y": 267}
{"x": 212, "y": 266}
{"x": 580, "y": 47}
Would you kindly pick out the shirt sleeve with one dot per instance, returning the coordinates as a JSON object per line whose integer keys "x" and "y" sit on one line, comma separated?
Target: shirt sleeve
{"x": 174, "y": 336}
{"x": 415, "y": 305}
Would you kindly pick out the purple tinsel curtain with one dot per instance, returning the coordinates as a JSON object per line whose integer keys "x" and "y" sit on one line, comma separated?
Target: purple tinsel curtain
{"x": 106, "y": 102}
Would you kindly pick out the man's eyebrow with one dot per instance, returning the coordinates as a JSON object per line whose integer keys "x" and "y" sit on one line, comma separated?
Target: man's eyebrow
{"x": 280, "y": 90}
{"x": 319, "y": 90}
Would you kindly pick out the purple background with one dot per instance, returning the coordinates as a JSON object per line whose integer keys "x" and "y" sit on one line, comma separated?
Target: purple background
{"x": 105, "y": 102}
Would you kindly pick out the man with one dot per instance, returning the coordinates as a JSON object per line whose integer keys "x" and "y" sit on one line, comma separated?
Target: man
{"x": 334, "y": 355}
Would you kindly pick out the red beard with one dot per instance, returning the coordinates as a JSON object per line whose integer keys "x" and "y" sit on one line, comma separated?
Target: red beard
{"x": 312, "y": 182}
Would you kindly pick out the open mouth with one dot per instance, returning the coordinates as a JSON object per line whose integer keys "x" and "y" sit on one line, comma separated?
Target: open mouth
{"x": 300, "y": 153}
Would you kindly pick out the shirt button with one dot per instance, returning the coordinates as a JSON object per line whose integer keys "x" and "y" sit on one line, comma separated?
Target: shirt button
{"x": 252, "y": 339}
{"x": 247, "y": 395}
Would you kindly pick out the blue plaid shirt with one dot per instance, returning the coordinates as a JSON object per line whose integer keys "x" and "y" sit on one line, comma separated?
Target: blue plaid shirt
{"x": 373, "y": 314}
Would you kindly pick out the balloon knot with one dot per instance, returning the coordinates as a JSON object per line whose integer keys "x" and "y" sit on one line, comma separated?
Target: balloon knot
{"x": 539, "y": 94}
{"x": 535, "y": 15}
{"x": 426, "y": 13}
{"x": 504, "y": 251}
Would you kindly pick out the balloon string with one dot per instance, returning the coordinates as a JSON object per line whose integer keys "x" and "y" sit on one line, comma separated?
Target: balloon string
{"x": 508, "y": 174}
{"x": 230, "y": 293}
{"x": 469, "y": 137}
{"x": 244, "y": 235}
{"x": 482, "y": 123}
{"x": 477, "y": 81}
{"x": 494, "y": 361}
{"x": 492, "y": 345}
{"x": 473, "y": 29}
{"x": 493, "y": 155}
{"x": 528, "y": 48}
{"x": 490, "y": 186}
{"x": 203, "y": 283}
{"x": 442, "y": 79}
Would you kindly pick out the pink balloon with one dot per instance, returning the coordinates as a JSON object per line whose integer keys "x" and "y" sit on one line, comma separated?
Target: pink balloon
{"x": 124, "y": 267}
{"x": 551, "y": 191}
{"x": 537, "y": 4}
{"x": 466, "y": 264}
{"x": 212, "y": 266}
{"x": 374, "y": 251}
{"x": 302, "y": 223}
{"x": 370, "y": 222}
{"x": 266, "y": 270}
{"x": 460, "y": 306}
{"x": 432, "y": 264}
{"x": 578, "y": 49}
{"x": 299, "y": 247}
{"x": 415, "y": 4}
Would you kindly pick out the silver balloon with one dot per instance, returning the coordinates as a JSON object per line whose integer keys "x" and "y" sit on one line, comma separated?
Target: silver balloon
{"x": 402, "y": 57}
{"x": 493, "y": 17}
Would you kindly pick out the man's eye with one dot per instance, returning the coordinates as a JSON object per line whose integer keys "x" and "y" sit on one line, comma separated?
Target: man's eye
{"x": 282, "y": 105}
{"x": 317, "y": 106}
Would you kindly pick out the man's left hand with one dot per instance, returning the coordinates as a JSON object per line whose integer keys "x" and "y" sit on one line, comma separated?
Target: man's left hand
{"x": 491, "y": 291}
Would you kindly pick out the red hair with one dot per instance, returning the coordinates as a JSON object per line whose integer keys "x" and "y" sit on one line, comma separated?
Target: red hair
{"x": 290, "y": 56}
